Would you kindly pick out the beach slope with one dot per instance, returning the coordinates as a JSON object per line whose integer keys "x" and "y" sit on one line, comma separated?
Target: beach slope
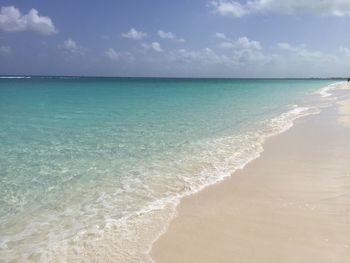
{"x": 290, "y": 205}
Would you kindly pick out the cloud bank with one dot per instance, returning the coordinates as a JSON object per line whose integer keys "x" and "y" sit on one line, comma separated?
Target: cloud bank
{"x": 245, "y": 57}
{"x": 320, "y": 7}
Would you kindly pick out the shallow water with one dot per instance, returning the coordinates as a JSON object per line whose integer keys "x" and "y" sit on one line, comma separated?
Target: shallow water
{"x": 94, "y": 167}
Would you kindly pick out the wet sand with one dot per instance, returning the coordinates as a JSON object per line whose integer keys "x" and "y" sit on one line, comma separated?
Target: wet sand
{"x": 290, "y": 205}
{"x": 344, "y": 112}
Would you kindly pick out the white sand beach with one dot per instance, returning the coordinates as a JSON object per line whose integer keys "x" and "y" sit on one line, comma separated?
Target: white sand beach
{"x": 290, "y": 205}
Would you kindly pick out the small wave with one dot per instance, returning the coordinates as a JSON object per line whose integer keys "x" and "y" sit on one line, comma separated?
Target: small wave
{"x": 130, "y": 239}
{"x": 15, "y": 77}
{"x": 325, "y": 92}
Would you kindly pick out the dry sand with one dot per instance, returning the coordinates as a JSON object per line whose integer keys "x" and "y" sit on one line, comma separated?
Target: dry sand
{"x": 290, "y": 205}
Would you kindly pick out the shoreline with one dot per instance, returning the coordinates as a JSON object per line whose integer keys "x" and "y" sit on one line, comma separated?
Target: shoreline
{"x": 131, "y": 238}
{"x": 178, "y": 231}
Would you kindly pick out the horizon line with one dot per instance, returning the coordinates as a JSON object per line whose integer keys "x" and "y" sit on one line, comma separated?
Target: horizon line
{"x": 158, "y": 77}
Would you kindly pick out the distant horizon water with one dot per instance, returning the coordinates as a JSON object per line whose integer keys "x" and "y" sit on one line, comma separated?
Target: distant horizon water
{"x": 95, "y": 166}
{"x": 169, "y": 77}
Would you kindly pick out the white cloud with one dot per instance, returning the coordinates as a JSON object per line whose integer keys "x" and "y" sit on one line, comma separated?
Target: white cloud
{"x": 229, "y": 8}
{"x": 119, "y": 56}
{"x": 164, "y": 34}
{"x": 297, "y": 50}
{"x": 244, "y": 42}
{"x": 345, "y": 51}
{"x": 291, "y": 48}
{"x": 11, "y": 20}
{"x": 242, "y": 52}
{"x": 204, "y": 62}
{"x": 70, "y": 44}
{"x": 155, "y": 46}
{"x": 321, "y": 7}
{"x": 227, "y": 44}
{"x": 71, "y": 47}
{"x": 134, "y": 34}
{"x": 302, "y": 61}
{"x": 220, "y": 36}
{"x": 299, "y": 60}
{"x": 248, "y": 58}
{"x": 205, "y": 56}
{"x": 169, "y": 35}
{"x": 284, "y": 46}
{"x": 5, "y": 51}
{"x": 241, "y": 43}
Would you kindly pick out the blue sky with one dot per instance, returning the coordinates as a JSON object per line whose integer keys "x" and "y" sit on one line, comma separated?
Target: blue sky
{"x": 183, "y": 38}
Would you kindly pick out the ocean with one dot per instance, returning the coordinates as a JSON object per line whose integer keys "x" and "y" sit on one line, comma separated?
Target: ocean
{"x": 93, "y": 168}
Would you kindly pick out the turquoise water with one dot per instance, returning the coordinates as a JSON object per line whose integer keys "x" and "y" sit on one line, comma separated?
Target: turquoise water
{"x": 95, "y": 166}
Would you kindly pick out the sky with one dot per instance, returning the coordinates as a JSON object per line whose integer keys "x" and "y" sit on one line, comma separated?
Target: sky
{"x": 182, "y": 38}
